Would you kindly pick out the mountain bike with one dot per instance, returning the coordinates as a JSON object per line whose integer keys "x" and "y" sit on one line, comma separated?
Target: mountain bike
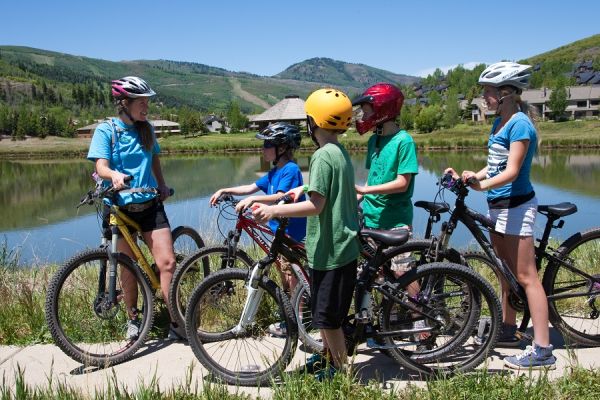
{"x": 85, "y": 302}
{"x": 571, "y": 276}
{"x": 214, "y": 258}
{"x": 229, "y": 312}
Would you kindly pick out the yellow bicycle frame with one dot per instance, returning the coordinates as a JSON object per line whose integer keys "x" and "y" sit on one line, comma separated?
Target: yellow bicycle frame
{"x": 122, "y": 222}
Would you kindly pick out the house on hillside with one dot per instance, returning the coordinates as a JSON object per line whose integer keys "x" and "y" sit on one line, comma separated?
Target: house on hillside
{"x": 290, "y": 109}
{"x": 583, "y": 101}
{"x": 161, "y": 128}
{"x": 215, "y": 124}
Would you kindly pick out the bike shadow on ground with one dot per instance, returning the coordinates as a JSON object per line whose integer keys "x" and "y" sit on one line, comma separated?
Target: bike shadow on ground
{"x": 149, "y": 347}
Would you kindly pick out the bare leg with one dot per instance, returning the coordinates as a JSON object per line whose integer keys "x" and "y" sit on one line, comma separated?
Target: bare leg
{"x": 336, "y": 344}
{"x": 160, "y": 244}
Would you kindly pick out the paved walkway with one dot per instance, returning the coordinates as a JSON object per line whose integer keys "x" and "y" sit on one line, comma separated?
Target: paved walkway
{"x": 171, "y": 363}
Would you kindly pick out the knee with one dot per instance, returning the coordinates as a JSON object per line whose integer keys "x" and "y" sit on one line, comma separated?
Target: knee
{"x": 166, "y": 264}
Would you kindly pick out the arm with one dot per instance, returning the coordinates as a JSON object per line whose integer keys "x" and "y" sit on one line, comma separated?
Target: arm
{"x": 104, "y": 171}
{"x": 266, "y": 198}
{"x": 518, "y": 151}
{"x": 236, "y": 190}
{"x": 307, "y": 208}
{"x": 398, "y": 185}
{"x": 163, "y": 189}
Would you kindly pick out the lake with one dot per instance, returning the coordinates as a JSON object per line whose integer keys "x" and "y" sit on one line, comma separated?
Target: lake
{"x": 38, "y": 218}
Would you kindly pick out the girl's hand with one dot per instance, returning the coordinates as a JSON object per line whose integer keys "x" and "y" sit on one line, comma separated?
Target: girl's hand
{"x": 164, "y": 192}
{"x": 470, "y": 178}
{"x": 244, "y": 203}
{"x": 296, "y": 192}
{"x": 262, "y": 213}
{"x": 118, "y": 180}
{"x": 213, "y": 199}
{"x": 452, "y": 172}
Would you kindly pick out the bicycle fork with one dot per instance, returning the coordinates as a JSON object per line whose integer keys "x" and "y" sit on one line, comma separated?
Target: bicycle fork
{"x": 253, "y": 297}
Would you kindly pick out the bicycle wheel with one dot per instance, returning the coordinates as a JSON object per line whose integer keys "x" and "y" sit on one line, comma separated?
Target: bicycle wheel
{"x": 196, "y": 267}
{"x": 249, "y": 356}
{"x": 186, "y": 240}
{"x": 451, "y": 302}
{"x": 309, "y": 336}
{"x": 573, "y": 288}
{"x": 81, "y": 319}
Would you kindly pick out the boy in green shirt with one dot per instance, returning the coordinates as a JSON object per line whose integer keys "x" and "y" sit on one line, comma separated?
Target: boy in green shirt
{"x": 332, "y": 245}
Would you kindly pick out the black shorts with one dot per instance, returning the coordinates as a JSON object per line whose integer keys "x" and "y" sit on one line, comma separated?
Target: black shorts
{"x": 150, "y": 219}
{"x": 331, "y": 294}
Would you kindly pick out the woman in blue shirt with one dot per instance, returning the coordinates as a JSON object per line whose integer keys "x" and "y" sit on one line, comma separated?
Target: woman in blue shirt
{"x": 513, "y": 205}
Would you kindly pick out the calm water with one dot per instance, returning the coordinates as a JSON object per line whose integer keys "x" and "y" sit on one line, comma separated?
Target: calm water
{"x": 38, "y": 217}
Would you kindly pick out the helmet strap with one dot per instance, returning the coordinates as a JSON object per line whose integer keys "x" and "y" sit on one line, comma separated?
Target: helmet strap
{"x": 126, "y": 111}
{"x": 379, "y": 129}
{"x": 311, "y": 131}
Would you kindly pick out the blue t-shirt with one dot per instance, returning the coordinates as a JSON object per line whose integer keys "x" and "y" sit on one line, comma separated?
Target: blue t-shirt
{"x": 126, "y": 155}
{"x": 281, "y": 180}
{"x": 519, "y": 127}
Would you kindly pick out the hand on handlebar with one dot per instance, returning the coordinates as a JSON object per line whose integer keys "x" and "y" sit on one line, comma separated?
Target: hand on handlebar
{"x": 216, "y": 197}
{"x": 295, "y": 193}
{"x": 164, "y": 191}
{"x": 262, "y": 213}
{"x": 119, "y": 180}
{"x": 244, "y": 203}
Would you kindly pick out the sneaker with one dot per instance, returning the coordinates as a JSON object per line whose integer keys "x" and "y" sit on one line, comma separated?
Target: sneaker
{"x": 326, "y": 373}
{"x": 176, "y": 332}
{"x": 420, "y": 324}
{"x": 534, "y": 357}
{"x": 133, "y": 329}
{"x": 315, "y": 363}
{"x": 508, "y": 336}
{"x": 277, "y": 329}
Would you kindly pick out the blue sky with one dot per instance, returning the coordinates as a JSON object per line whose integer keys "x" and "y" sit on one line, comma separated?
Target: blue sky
{"x": 265, "y": 37}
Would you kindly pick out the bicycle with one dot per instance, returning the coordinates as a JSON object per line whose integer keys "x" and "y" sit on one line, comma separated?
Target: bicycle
{"x": 229, "y": 312}
{"x": 211, "y": 259}
{"x": 571, "y": 277}
{"x": 85, "y": 302}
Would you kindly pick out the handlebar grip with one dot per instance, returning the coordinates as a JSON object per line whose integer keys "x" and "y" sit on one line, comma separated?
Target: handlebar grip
{"x": 128, "y": 178}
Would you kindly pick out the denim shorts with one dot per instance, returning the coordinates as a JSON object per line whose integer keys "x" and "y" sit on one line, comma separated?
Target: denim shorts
{"x": 517, "y": 221}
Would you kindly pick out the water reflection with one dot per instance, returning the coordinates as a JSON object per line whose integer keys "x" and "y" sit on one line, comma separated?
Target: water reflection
{"x": 39, "y": 197}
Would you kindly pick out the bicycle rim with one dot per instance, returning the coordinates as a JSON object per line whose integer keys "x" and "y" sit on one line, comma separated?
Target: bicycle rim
{"x": 253, "y": 357}
{"x": 186, "y": 241}
{"x": 195, "y": 268}
{"x": 457, "y": 299}
{"x": 309, "y": 335}
{"x": 81, "y": 320}
{"x": 574, "y": 299}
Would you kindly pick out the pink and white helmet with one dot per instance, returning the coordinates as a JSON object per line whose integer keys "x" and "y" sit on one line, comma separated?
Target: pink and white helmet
{"x": 131, "y": 87}
{"x": 506, "y": 73}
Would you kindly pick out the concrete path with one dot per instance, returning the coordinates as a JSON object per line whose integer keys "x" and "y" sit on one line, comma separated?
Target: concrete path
{"x": 172, "y": 363}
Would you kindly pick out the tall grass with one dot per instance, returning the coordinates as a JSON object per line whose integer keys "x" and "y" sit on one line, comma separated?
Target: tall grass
{"x": 575, "y": 384}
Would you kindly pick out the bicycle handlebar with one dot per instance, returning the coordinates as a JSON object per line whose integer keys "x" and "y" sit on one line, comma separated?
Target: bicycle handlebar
{"x": 102, "y": 192}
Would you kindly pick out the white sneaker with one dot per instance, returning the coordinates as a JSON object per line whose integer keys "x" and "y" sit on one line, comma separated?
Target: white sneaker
{"x": 176, "y": 333}
{"x": 133, "y": 329}
{"x": 278, "y": 329}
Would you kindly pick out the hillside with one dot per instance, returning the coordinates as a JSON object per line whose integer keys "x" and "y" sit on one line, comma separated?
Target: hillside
{"x": 199, "y": 86}
{"x": 581, "y": 50}
{"x": 338, "y": 73}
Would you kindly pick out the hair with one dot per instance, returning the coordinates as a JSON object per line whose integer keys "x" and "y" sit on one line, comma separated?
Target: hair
{"x": 144, "y": 128}
{"x": 531, "y": 112}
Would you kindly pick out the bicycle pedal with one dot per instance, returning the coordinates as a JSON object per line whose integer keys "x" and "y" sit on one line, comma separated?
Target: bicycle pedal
{"x": 524, "y": 336}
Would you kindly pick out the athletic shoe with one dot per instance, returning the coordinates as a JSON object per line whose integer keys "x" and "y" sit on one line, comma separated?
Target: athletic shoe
{"x": 508, "y": 336}
{"x": 326, "y": 373}
{"x": 534, "y": 357}
{"x": 133, "y": 329}
{"x": 278, "y": 329}
{"x": 176, "y": 332}
{"x": 315, "y": 363}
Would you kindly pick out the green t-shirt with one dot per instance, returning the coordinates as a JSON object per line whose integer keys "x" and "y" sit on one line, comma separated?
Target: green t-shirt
{"x": 331, "y": 236}
{"x": 397, "y": 155}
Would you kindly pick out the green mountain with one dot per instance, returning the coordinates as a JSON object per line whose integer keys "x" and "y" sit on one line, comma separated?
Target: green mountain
{"x": 581, "y": 50}
{"x": 338, "y": 73}
{"x": 199, "y": 86}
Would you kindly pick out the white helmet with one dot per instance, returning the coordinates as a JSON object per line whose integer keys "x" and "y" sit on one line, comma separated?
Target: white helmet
{"x": 506, "y": 73}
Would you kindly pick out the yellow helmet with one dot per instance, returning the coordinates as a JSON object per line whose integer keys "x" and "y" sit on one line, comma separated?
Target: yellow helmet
{"x": 329, "y": 109}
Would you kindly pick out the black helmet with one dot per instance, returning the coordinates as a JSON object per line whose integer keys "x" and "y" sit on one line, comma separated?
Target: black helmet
{"x": 280, "y": 133}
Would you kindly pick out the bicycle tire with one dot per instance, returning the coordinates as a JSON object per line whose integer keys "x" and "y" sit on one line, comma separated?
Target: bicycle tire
{"x": 568, "y": 315}
{"x": 225, "y": 354}
{"x": 186, "y": 241}
{"x": 190, "y": 272}
{"x": 82, "y": 330}
{"x": 482, "y": 300}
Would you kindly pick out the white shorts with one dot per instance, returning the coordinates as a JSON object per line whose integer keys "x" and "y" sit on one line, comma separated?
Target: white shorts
{"x": 518, "y": 221}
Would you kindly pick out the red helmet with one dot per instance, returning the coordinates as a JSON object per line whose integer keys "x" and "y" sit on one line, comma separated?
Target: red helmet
{"x": 386, "y": 100}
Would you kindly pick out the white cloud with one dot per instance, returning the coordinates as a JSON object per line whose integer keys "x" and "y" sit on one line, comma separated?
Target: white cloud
{"x": 469, "y": 65}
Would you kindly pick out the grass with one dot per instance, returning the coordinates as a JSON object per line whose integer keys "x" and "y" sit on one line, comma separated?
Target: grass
{"x": 573, "y": 134}
{"x": 575, "y": 384}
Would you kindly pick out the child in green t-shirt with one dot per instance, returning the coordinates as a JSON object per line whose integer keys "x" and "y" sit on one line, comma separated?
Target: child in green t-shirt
{"x": 332, "y": 246}
{"x": 392, "y": 164}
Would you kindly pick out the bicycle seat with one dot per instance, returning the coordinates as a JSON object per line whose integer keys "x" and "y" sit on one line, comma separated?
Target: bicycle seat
{"x": 559, "y": 210}
{"x": 387, "y": 238}
{"x": 433, "y": 208}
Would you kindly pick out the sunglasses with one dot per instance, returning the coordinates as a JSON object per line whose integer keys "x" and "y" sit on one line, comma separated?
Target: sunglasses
{"x": 267, "y": 144}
